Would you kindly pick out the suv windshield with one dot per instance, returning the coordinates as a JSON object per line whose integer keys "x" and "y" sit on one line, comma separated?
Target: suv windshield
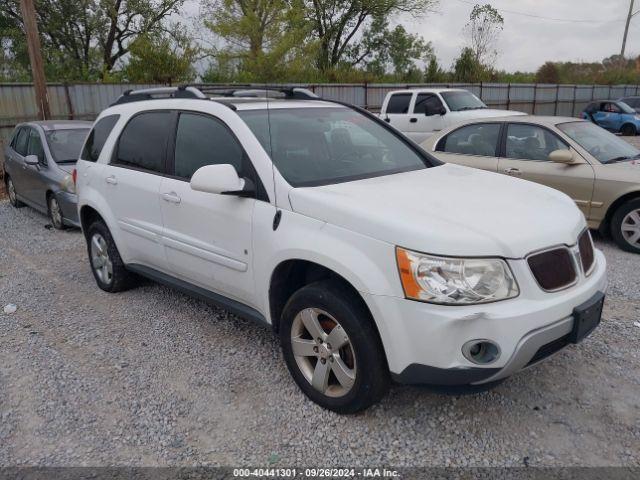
{"x": 462, "y": 100}
{"x": 320, "y": 146}
{"x": 604, "y": 146}
{"x": 65, "y": 145}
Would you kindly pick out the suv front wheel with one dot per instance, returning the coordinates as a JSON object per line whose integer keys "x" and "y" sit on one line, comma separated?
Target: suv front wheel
{"x": 332, "y": 348}
{"x": 106, "y": 264}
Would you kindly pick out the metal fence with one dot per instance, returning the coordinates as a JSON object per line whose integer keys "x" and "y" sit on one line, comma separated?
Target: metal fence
{"x": 85, "y": 101}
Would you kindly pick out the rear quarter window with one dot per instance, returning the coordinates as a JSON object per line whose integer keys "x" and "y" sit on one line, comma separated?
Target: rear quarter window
{"x": 399, "y": 103}
{"x": 97, "y": 138}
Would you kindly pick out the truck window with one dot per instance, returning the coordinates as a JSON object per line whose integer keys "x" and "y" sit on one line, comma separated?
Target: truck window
{"x": 399, "y": 103}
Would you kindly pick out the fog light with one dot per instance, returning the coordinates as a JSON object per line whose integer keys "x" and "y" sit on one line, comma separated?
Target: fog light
{"x": 481, "y": 352}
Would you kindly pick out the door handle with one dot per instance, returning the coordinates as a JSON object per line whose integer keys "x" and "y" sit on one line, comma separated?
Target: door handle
{"x": 512, "y": 171}
{"x": 171, "y": 197}
{"x": 111, "y": 180}
{"x": 413, "y": 120}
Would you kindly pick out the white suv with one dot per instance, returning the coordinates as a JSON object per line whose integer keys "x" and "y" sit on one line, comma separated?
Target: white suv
{"x": 370, "y": 259}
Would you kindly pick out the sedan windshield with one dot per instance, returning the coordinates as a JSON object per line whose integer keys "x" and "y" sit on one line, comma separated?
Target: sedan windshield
{"x": 604, "y": 146}
{"x": 459, "y": 101}
{"x": 65, "y": 145}
{"x": 625, "y": 108}
{"x": 321, "y": 146}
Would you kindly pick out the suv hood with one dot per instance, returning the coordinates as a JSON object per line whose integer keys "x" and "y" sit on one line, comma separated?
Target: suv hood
{"x": 448, "y": 210}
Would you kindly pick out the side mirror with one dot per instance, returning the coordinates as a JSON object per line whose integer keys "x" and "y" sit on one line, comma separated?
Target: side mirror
{"x": 222, "y": 180}
{"x": 443, "y": 111}
{"x": 562, "y": 156}
{"x": 31, "y": 160}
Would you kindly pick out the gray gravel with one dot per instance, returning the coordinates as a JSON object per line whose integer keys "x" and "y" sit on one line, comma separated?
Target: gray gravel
{"x": 152, "y": 377}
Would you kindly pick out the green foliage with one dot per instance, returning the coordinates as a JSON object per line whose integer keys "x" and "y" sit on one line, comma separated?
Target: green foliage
{"x": 86, "y": 39}
{"x": 161, "y": 59}
{"x": 548, "y": 73}
{"x": 468, "y": 69}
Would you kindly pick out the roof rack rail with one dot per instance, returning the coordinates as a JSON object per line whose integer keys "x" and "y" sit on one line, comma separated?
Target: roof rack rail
{"x": 257, "y": 91}
{"x": 186, "y": 91}
{"x": 183, "y": 91}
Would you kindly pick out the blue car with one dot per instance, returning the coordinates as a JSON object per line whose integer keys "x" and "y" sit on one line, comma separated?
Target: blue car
{"x": 614, "y": 116}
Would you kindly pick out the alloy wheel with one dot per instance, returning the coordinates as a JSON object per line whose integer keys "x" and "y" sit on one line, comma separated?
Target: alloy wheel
{"x": 631, "y": 228}
{"x": 323, "y": 352}
{"x": 100, "y": 260}
{"x": 56, "y": 213}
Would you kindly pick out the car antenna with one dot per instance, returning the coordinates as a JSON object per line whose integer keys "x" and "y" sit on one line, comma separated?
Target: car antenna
{"x": 278, "y": 215}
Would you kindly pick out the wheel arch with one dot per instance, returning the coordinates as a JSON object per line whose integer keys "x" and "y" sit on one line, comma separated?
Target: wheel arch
{"x": 88, "y": 215}
{"x": 606, "y": 222}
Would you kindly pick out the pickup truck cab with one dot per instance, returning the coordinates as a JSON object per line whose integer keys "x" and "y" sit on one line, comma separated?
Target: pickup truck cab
{"x": 369, "y": 258}
{"x": 419, "y": 113}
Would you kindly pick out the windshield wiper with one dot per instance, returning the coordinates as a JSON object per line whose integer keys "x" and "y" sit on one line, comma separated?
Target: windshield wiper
{"x": 71, "y": 160}
{"x": 469, "y": 108}
{"x": 622, "y": 159}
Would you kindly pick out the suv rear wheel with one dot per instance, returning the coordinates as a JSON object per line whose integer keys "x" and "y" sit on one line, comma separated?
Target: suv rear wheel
{"x": 332, "y": 349}
{"x": 625, "y": 226}
{"x": 106, "y": 264}
{"x": 11, "y": 191}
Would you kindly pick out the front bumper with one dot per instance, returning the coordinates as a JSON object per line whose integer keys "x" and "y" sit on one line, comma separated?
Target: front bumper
{"x": 69, "y": 205}
{"x": 423, "y": 342}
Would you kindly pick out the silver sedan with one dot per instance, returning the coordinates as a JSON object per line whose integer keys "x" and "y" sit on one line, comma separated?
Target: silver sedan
{"x": 38, "y": 167}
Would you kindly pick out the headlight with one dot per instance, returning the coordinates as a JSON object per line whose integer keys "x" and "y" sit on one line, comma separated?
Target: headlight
{"x": 68, "y": 185}
{"x": 454, "y": 281}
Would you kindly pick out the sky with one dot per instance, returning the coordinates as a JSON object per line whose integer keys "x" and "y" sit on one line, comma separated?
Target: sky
{"x": 527, "y": 42}
{"x": 590, "y": 30}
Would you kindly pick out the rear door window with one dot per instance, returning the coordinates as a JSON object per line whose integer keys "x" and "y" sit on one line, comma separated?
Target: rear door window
{"x": 22, "y": 141}
{"x": 399, "y": 103}
{"x": 98, "y": 137}
{"x": 477, "y": 139}
{"x": 143, "y": 142}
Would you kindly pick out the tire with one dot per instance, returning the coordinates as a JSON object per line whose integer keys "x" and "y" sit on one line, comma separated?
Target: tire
{"x": 55, "y": 213}
{"x": 106, "y": 264}
{"x": 628, "y": 130}
{"x": 11, "y": 191}
{"x": 625, "y": 226}
{"x": 360, "y": 362}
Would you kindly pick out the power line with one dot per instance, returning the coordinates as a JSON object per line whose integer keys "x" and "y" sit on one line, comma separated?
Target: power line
{"x": 540, "y": 17}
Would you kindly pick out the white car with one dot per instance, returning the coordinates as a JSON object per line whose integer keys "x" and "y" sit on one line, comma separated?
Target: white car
{"x": 370, "y": 259}
{"x": 419, "y": 113}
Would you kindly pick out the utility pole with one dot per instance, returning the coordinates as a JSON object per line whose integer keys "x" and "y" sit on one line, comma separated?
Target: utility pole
{"x": 626, "y": 29}
{"x": 35, "y": 57}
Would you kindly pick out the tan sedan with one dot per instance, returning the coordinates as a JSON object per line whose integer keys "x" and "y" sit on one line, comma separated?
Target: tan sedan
{"x": 598, "y": 170}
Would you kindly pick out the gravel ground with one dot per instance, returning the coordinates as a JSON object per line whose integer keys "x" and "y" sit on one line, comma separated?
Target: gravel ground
{"x": 152, "y": 377}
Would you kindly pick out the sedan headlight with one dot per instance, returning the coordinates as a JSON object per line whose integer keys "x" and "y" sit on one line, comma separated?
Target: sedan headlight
{"x": 455, "y": 281}
{"x": 68, "y": 184}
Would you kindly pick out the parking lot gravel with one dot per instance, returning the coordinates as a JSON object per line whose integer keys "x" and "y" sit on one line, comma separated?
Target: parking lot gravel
{"x": 152, "y": 377}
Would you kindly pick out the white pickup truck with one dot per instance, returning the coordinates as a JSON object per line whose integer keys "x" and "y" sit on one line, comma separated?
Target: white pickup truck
{"x": 419, "y": 113}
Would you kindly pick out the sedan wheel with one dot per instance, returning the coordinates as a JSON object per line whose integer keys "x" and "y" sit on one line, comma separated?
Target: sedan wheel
{"x": 100, "y": 261}
{"x": 631, "y": 228}
{"x": 55, "y": 213}
{"x": 323, "y": 352}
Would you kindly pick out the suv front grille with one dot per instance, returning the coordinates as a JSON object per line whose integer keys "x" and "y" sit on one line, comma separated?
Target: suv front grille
{"x": 559, "y": 267}
{"x": 586, "y": 251}
{"x": 553, "y": 269}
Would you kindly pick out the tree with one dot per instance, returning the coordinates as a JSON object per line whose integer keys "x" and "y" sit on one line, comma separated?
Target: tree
{"x": 85, "y": 39}
{"x": 259, "y": 35}
{"x": 483, "y": 29}
{"x": 467, "y": 68}
{"x": 335, "y": 24}
{"x": 161, "y": 59}
{"x": 434, "y": 73}
{"x": 548, "y": 73}
{"x": 383, "y": 50}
